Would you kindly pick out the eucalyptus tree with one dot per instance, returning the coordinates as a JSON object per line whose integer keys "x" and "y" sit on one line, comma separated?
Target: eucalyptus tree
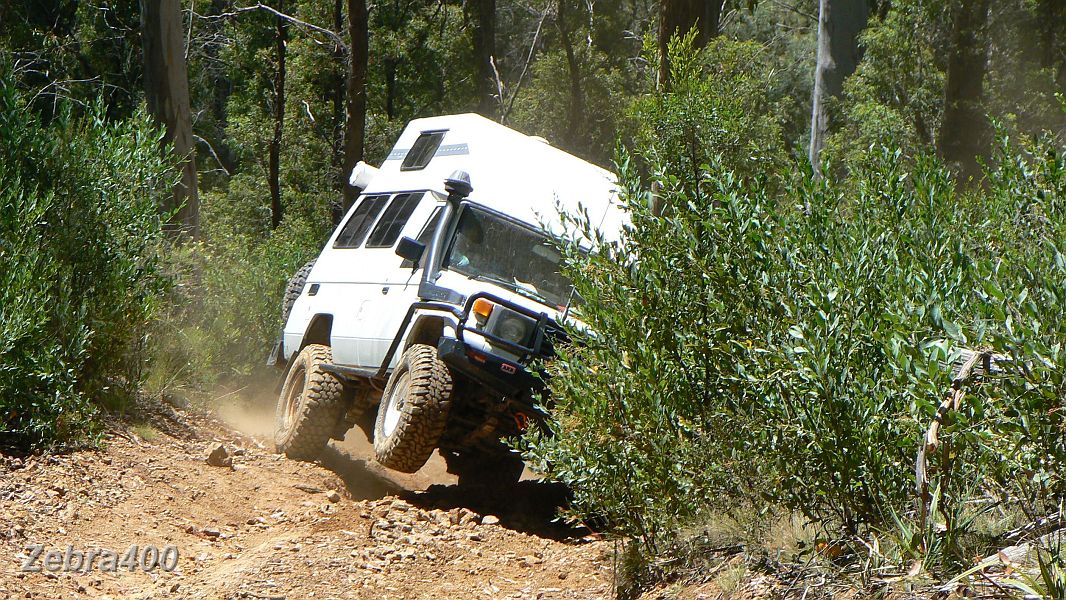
{"x": 964, "y": 133}
{"x": 839, "y": 25}
{"x": 166, "y": 84}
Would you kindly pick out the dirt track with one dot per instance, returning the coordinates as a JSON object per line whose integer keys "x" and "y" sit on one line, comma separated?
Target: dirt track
{"x": 268, "y": 527}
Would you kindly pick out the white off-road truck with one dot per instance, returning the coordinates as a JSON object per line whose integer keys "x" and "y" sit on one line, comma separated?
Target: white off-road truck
{"x": 432, "y": 297}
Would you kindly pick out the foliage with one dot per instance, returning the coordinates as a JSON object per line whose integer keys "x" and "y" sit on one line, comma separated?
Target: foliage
{"x": 1021, "y": 316}
{"x": 545, "y": 107}
{"x": 895, "y": 96}
{"x": 79, "y": 276}
{"x": 225, "y": 313}
{"x": 790, "y": 346}
{"x": 67, "y": 53}
{"x": 785, "y": 33}
{"x": 717, "y": 111}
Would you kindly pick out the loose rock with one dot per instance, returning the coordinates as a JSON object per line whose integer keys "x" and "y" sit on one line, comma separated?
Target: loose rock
{"x": 219, "y": 457}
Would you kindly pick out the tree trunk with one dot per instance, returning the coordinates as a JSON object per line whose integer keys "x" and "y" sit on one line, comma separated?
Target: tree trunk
{"x": 355, "y": 127}
{"x": 576, "y": 108}
{"x": 338, "y": 91}
{"x": 166, "y": 85}
{"x": 484, "y": 51}
{"x": 390, "y": 87}
{"x": 678, "y": 17}
{"x": 964, "y": 132}
{"x": 281, "y": 38}
{"x": 1052, "y": 15}
{"x": 220, "y": 91}
{"x": 839, "y": 24}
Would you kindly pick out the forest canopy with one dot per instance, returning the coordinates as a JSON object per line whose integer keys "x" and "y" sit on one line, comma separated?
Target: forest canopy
{"x": 286, "y": 96}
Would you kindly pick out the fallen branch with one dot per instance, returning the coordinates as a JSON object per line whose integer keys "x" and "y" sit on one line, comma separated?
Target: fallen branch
{"x": 1038, "y": 528}
{"x": 1011, "y": 556}
{"x": 525, "y": 68}
{"x": 951, "y": 402}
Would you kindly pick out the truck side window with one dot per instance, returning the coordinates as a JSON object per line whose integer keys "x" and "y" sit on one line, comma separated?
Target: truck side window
{"x": 359, "y": 223}
{"x": 422, "y": 151}
{"x": 426, "y": 237}
{"x": 391, "y": 223}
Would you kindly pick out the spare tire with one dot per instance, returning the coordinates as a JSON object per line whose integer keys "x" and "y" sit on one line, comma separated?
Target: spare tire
{"x": 293, "y": 289}
{"x": 413, "y": 411}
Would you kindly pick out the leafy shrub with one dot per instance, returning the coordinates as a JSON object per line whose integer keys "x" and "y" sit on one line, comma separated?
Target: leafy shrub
{"x": 717, "y": 111}
{"x": 753, "y": 351}
{"x": 79, "y": 277}
{"x": 225, "y": 314}
{"x": 759, "y": 344}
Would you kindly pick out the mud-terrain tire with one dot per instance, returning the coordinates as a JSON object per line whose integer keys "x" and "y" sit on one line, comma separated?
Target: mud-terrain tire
{"x": 293, "y": 289}
{"x": 413, "y": 410}
{"x": 310, "y": 405}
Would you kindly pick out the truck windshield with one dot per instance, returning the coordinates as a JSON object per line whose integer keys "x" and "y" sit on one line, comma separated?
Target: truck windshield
{"x": 496, "y": 250}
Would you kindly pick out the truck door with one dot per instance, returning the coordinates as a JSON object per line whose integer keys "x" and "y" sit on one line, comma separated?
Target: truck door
{"x": 347, "y": 275}
{"x": 382, "y": 315}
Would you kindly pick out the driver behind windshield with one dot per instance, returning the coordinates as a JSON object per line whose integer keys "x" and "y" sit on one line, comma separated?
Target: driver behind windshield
{"x": 469, "y": 243}
{"x": 515, "y": 256}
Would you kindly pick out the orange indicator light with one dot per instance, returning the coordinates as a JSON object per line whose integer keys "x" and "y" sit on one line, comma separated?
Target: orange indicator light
{"x": 483, "y": 307}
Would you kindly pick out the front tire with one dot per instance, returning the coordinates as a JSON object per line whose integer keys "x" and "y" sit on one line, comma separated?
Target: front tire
{"x": 310, "y": 405}
{"x": 413, "y": 411}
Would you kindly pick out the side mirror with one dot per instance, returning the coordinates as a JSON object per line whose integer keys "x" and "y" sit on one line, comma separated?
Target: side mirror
{"x": 410, "y": 250}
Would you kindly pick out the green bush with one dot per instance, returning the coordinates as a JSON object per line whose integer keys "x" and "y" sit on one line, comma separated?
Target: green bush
{"x": 717, "y": 111}
{"x": 225, "y": 314}
{"x": 788, "y": 346}
{"x": 79, "y": 278}
{"x": 754, "y": 352}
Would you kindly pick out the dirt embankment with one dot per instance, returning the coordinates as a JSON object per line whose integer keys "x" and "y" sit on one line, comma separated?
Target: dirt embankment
{"x": 267, "y": 527}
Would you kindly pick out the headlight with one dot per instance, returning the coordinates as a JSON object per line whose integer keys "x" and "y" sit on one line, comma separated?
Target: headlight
{"x": 513, "y": 329}
{"x": 510, "y": 326}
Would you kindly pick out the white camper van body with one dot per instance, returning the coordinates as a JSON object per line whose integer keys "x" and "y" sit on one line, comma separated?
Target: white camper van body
{"x": 368, "y": 304}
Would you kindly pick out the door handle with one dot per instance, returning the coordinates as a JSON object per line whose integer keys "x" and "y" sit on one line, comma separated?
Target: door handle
{"x": 384, "y": 290}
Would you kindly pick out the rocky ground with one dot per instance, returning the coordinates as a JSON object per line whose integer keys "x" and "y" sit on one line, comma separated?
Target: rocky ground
{"x": 252, "y": 524}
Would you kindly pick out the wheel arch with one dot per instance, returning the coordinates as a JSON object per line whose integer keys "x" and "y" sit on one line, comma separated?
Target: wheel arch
{"x": 428, "y": 327}
{"x": 319, "y": 331}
